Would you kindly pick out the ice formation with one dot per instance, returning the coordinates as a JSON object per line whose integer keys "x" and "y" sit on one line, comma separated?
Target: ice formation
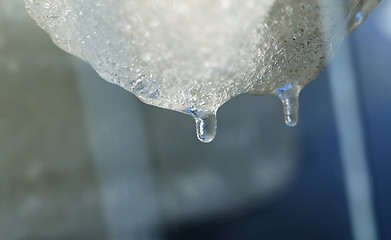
{"x": 193, "y": 56}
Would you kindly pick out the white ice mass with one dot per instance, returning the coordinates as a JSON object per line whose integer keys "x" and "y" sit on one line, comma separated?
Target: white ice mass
{"x": 193, "y": 56}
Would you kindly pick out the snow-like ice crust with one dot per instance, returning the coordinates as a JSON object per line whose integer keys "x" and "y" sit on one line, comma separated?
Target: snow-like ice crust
{"x": 193, "y": 56}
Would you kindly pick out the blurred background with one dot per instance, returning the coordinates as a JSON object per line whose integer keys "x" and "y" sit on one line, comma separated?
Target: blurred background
{"x": 83, "y": 159}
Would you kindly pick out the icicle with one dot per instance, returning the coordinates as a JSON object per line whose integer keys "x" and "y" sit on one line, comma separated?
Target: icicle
{"x": 206, "y": 124}
{"x": 289, "y": 96}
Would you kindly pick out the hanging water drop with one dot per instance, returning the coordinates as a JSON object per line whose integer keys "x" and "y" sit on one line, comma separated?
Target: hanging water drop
{"x": 206, "y": 124}
{"x": 289, "y": 96}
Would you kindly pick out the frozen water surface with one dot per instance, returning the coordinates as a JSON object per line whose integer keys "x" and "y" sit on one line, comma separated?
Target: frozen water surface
{"x": 193, "y": 56}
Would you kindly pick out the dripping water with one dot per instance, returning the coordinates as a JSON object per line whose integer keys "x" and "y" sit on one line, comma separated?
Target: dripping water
{"x": 206, "y": 124}
{"x": 289, "y": 96}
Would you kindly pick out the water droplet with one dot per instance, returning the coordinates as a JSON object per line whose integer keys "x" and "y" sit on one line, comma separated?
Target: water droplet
{"x": 206, "y": 124}
{"x": 289, "y": 96}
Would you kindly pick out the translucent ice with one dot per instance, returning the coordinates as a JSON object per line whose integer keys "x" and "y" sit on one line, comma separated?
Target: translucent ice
{"x": 193, "y": 56}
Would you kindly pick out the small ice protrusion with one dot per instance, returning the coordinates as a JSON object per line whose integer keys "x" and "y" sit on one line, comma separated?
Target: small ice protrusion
{"x": 289, "y": 96}
{"x": 206, "y": 124}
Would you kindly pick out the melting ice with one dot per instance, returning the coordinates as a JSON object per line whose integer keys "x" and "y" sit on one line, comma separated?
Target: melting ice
{"x": 193, "y": 56}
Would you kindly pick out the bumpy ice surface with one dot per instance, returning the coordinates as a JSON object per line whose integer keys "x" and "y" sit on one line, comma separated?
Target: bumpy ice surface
{"x": 192, "y": 56}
